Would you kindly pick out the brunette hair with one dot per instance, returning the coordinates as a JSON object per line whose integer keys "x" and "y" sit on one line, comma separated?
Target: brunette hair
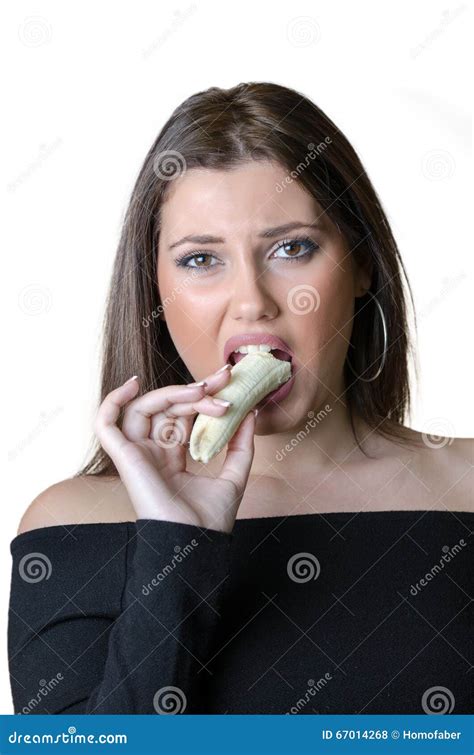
{"x": 220, "y": 129}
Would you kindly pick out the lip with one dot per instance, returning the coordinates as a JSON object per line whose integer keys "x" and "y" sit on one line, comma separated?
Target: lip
{"x": 245, "y": 339}
{"x": 278, "y": 394}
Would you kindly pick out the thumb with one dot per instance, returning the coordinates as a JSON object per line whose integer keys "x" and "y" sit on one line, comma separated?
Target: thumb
{"x": 240, "y": 453}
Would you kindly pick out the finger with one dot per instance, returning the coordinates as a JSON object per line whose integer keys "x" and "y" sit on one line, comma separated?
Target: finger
{"x": 137, "y": 418}
{"x": 240, "y": 453}
{"x": 171, "y": 432}
{"x": 136, "y": 423}
{"x": 218, "y": 378}
{"x": 172, "y": 421}
{"x": 214, "y": 407}
{"x": 161, "y": 399}
{"x": 110, "y": 436}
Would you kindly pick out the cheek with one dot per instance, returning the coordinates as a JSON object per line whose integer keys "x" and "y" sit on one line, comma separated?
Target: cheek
{"x": 182, "y": 293}
{"x": 327, "y": 330}
{"x": 190, "y": 321}
{"x": 337, "y": 306}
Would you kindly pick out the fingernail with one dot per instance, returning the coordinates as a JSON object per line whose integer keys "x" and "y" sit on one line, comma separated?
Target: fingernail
{"x": 135, "y": 377}
{"x": 195, "y": 385}
{"x": 225, "y": 367}
{"x": 222, "y": 402}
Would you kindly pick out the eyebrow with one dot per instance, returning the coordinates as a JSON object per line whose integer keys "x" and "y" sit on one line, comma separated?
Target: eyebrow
{"x": 266, "y": 234}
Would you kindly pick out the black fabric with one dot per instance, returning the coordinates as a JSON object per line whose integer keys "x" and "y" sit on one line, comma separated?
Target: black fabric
{"x": 316, "y": 613}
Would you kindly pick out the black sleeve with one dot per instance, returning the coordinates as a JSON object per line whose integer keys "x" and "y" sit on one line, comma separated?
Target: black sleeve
{"x": 115, "y": 618}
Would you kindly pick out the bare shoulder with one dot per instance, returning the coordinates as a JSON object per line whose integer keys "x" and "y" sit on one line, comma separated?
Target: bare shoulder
{"x": 79, "y": 500}
{"x": 446, "y": 466}
{"x": 459, "y": 463}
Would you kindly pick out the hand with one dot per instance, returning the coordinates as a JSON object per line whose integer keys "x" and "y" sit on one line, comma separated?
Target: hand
{"x": 153, "y": 467}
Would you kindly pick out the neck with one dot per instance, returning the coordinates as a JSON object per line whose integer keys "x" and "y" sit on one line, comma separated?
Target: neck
{"x": 322, "y": 440}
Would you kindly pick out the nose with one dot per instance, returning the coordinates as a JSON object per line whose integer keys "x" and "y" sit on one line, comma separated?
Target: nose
{"x": 251, "y": 297}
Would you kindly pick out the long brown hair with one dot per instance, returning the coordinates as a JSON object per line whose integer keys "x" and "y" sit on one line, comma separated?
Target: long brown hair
{"x": 221, "y": 128}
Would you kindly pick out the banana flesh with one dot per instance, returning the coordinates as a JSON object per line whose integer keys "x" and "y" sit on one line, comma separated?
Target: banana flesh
{"x": 256, "y": 375}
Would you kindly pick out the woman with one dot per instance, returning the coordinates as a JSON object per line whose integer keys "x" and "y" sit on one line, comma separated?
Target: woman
{"x": 288, "y": 574}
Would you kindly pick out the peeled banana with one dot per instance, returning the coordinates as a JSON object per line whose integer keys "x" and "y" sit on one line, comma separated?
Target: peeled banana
{"x": 256, "y": 375}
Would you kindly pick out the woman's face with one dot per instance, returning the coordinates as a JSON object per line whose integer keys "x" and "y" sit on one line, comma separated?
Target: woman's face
{"x": 298, "y": 284}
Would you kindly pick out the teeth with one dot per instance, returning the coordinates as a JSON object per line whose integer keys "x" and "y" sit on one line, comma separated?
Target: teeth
{"x": 253, "y": 348}
{"x": 251, "y": 380}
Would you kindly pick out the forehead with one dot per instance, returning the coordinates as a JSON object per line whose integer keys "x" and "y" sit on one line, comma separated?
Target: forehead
{"x": 251, "y": 196}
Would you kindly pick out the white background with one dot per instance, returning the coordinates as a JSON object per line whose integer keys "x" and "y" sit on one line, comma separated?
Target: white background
{"x": 87, "y": 88}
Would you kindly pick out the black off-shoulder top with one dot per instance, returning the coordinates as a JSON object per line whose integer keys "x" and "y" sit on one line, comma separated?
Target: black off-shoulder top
{"x": 334, "y": 613}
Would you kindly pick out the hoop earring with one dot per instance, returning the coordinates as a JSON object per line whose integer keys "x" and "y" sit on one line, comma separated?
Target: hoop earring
{"x": 384, "y": 354}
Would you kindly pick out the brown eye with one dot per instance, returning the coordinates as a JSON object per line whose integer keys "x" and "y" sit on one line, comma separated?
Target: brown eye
{"x": 201, "y": 256}
{"x": 297, "y": 244}
{"x": 183, "y": 261}
{"x": 293, "y": 244}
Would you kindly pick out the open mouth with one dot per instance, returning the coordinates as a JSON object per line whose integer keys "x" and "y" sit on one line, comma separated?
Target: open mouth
{"x": 236, "y": 356}
{"x": 283, "y": 390}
